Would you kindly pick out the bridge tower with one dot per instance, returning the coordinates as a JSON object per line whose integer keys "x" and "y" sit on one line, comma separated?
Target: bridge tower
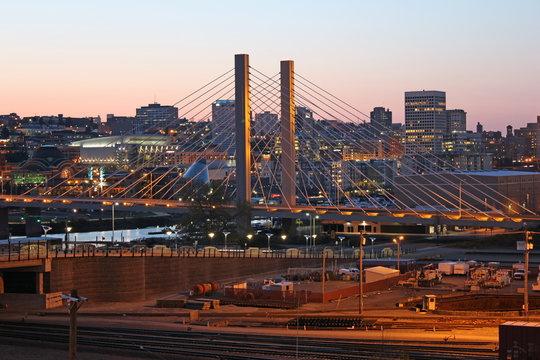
{"x": 243, "y": 137}
{"x": 288, "y": 153}
{"x": 243, "y": 128}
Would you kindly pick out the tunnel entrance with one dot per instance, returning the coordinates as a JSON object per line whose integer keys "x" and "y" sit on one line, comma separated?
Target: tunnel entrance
{"x": 19, "y": 282}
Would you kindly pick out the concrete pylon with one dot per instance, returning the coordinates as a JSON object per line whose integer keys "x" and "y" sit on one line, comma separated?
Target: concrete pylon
{"x": 243, "y": 138}
{"x": 288, "y": 152}
{"x": 4, "y": 223}
{"x": 32, "y": 226}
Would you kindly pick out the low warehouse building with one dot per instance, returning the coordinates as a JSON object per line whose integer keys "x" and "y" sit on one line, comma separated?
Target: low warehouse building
{"x": 378, "y": 273}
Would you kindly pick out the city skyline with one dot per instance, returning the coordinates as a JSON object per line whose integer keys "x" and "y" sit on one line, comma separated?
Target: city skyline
{"x": 80, "y": 61}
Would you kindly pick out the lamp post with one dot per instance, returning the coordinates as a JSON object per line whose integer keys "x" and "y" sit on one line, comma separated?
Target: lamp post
{"x": 315, "y": 223}
{"x": 314, "y": 237}
{"x": 372, "y": 240}
{"x": 283, "y": 237}
{"x": 528, "y": 246}
{"x": 361, "y": 276}
{"x": 249, "y": 236}
{"x": 341, "y": 238}
{"x": 46, "y": 229}
{"x": 68, "y": 229}
{"x": 211, "y": 236}
{"x": 112, "y": 236}
{"x": 269, "y": 236}
{"x": 307, "y": 240}
{"x": 309, "y": 217}
{"x": 226, "y": 233}
{"x": 364, "y": 225}
{"x": 397, "y": 241}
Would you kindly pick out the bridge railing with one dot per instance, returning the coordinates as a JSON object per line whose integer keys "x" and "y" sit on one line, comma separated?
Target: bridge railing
{"x": 24, "y": 251}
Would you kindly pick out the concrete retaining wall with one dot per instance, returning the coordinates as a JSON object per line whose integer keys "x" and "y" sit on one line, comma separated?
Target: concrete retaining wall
{"x": 138, "y": 278}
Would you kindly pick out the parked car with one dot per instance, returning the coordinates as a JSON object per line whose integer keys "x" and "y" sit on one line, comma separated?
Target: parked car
{"x": 353, "y": 272}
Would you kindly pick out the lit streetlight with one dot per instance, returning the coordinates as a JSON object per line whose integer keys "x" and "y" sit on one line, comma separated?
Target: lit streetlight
{"x": 372, "y": 241}
{"x": 68, "y": 229}
{"x": 269, "y": 236}
{"x": 283, "y": 237}
{"x": 397, "y": 241}
{"x": 309, "y": 217}
{"x": 211, "y": 236}
{"x": 361, "y": 277}
{"x": 307, "y": 241}
{"x": 226, "y": 233}
{"x": 364, "y": 225}
{"x": 112, "y": 236}
{"x": 341, "y": 238}
{"x": 314, "y": 237}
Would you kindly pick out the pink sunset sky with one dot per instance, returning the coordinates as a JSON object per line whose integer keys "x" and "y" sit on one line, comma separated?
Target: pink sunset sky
{"x": 100, "y": 57}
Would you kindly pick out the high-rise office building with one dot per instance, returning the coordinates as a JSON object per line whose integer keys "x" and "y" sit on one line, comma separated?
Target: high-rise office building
{"x": 425, "y": 121}
{"x": 155, "y": 116}
{"x": 381, "y": 120}
{"x": 456, "y": 121}
{"x": 223, "y": 125}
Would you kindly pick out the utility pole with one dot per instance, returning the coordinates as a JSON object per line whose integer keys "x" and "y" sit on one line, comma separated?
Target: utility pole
{"x": 528, "y": 246}
{"x": 73, "y": 302}
{"x": 360, "y": 277}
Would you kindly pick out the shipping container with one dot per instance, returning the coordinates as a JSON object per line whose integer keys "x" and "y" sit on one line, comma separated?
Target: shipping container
{"x": 519, "y": 340}
{"x": 461, "y": 269}
{"x": 447, "y": 268}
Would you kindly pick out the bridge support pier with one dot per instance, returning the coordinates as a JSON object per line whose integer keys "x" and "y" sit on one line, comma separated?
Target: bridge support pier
{"x": 4, "y": 223}
{"x": 32, "y": 226}
{"x": 288, "y": 227}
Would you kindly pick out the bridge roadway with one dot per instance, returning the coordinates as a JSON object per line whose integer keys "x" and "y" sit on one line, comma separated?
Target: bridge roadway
{"x": 324, "y": 212}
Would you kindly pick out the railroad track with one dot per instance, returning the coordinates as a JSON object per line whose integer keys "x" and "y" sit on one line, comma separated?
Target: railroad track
{"x": 203, "y": 345}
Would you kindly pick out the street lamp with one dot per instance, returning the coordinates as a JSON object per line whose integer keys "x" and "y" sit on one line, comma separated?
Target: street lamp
{"x": 307, "y": 241}
{"x": 112, "y": 236}
{"x": 314, "y": 237}
{"x": 372, "y": 240}
{"x": 269, "y": 236}
{"x": 226, "y": 233}
{"x": 361, "y": 277}
{"x": 46, "y": 229}
{"x": 309, "y": 217}
{"x": 211, "y": 235}
{"x": 364, "y": 225}
{"x": 283, "y": 237}
{"x": 249, "y": 236}
{"x": 68, "y": 229}
{"x": 341, "y": 238}
{"x": 397, "y": 241}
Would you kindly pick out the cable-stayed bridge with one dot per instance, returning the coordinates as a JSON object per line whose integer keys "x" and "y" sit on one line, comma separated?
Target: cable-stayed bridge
{"x": 279, "y": 146}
